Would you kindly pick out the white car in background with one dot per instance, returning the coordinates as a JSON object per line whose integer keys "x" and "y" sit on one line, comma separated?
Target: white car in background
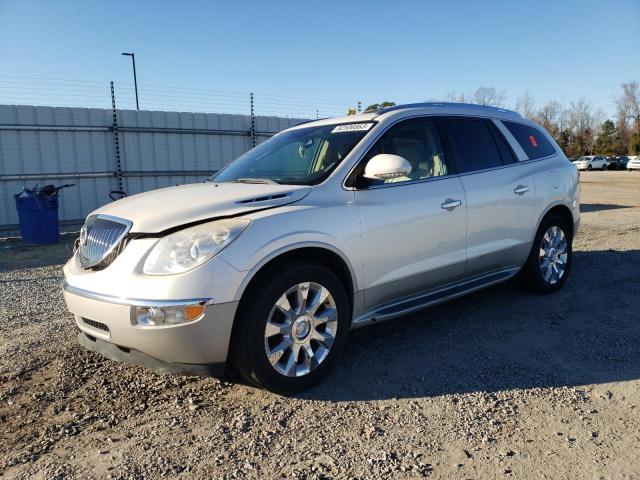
{"x": 591, "y": 162}
{"x": 633, "y": 163}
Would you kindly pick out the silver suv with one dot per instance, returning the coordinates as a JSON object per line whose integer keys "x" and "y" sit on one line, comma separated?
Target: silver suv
{"x": 327, "y": 226}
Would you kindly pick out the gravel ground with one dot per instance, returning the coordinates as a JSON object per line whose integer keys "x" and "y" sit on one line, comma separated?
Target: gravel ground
{"x": 501, "y": 383}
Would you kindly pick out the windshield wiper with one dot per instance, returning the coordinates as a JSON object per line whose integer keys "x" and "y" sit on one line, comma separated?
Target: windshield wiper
{"x": 267, "y": 181}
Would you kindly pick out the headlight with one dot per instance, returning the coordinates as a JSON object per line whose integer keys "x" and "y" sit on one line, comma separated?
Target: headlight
{"x": 186, "y": 249}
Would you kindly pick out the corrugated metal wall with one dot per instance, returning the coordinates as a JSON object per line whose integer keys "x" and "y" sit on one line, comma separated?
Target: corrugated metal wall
{"x": 43, "y": 145}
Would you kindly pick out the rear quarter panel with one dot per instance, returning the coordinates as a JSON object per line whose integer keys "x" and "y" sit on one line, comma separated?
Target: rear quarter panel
{"x": 557, "y": 183}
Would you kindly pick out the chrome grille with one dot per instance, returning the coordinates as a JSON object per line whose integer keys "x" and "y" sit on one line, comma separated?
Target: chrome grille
{"x": 100, "y": 236}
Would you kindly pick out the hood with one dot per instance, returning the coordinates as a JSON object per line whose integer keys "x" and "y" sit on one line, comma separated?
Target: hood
{"x": 158, "y": 210}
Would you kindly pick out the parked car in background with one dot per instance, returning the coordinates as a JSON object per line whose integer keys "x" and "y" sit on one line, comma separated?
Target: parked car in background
{"x": 633, "y": 163}
{"x": 591, "y": 162}
{"x": 327, "y": 226}
{"x": 622, "y": 161}
{"x": 613, "y": 163}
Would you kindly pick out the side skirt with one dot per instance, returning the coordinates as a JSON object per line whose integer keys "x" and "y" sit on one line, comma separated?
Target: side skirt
{"x": 422, "y": 300}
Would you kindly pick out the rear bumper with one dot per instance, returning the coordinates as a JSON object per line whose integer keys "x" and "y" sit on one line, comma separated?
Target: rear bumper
{"x": 201, "y": 343}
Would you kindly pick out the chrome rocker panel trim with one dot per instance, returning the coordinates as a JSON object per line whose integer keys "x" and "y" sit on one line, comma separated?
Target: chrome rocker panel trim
{"x": 426, "y": 299}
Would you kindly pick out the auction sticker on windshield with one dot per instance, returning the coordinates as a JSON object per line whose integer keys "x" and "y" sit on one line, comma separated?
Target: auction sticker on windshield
{"x": 352, "y": 127}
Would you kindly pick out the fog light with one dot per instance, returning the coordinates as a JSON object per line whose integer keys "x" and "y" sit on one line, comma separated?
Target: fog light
{"x": 157, "y": 316}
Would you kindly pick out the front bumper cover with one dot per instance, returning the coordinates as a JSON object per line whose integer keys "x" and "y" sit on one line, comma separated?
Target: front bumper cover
{"x": 126, "y": 355}
{"x": 198, "y": 344}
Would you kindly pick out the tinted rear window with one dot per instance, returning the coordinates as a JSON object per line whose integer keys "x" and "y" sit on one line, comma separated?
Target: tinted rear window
{"x": 533, "y": 141}
{"x": 472, "y": 143}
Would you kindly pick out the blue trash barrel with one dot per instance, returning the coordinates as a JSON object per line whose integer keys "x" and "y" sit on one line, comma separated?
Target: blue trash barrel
{"x": 38, "y": 218}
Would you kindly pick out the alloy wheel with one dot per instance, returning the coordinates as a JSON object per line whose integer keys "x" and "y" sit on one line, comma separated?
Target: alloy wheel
{"x": 553, "y": 255}
{"x": 301, "y": 329}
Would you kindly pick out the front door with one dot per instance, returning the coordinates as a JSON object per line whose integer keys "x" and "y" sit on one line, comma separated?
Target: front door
{"x": 414, "y": 227}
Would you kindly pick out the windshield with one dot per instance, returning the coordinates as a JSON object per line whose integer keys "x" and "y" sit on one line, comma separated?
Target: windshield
{"x": 303, "y": 156}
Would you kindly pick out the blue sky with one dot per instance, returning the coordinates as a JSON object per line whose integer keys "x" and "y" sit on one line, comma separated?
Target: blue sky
{"x": 343, "y": 51}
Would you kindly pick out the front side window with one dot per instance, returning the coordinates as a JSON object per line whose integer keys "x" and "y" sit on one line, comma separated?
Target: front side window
{"x": 418, "y": 142}
{"x": 533, "y": 141}
{"x": 303, "y": 156}
{"x": 472, "y": 143}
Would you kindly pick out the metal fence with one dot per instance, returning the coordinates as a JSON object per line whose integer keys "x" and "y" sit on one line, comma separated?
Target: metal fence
{"x": 139, "y": 151}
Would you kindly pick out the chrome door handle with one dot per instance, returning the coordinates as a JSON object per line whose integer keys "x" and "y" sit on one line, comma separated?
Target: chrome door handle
{"x": 521, "y": 189}
{"x": 451, "y": 204}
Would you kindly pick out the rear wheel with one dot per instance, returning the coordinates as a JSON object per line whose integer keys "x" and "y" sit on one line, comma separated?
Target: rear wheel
{"x": 604, "y": 167}
{"x": 549, "y": 262}
{"x": 292, "y": 328}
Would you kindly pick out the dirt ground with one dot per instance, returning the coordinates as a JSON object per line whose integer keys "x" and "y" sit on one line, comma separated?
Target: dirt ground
{"x": 499, "y": 384}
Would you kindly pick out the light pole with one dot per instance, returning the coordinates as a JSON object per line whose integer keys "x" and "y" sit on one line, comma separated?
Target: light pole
{"x": 135, "y": 80}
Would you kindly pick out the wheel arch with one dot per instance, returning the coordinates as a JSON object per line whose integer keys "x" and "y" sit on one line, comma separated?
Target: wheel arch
{"x": 322, "y": 253}
{"x": 561, "y": 210}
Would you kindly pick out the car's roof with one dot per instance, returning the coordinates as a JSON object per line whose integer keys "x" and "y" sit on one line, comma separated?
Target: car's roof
{"x": 427, "y": 108}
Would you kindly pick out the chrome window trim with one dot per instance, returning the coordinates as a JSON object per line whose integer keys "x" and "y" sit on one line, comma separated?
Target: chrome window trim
{"x": 408, "y": 182}
{"x": 132, "y": 302}
{"x": 429, "y": 179}
{"x": 500, "y": 167}
{"x": 123, "y": 221}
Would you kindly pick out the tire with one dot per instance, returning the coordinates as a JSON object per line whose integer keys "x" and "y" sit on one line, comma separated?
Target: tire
{"x": 604, "y": 167}
{"x": 589, "y": 167}
{"x": 258, "y": 310}
{"x": 534, "y": 276}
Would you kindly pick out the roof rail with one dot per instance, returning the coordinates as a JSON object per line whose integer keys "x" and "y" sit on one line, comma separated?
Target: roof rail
{"x": 472, "y": 106}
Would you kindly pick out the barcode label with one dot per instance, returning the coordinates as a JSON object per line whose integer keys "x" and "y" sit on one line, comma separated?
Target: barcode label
{"x": 352, "y": 127}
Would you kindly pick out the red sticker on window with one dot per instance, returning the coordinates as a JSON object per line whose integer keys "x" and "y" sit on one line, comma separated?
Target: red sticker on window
{"x": 532, "y": 139}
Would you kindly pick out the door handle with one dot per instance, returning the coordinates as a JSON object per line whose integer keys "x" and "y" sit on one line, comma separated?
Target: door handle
{"x": 450, "y": 204}
{"x": 521, "y": 189}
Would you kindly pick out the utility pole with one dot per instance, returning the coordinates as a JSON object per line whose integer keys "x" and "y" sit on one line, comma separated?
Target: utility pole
{"x": 116, "y": 140}
{"x": 135, "y": 80}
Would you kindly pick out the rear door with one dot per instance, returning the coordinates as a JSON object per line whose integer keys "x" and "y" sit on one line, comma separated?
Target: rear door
{"x": 500, "y": 194}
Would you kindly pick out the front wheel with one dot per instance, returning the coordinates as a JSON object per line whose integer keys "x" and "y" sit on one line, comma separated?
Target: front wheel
{"x": 549, "y": 261}
{"x": 292, "y": 328}
{"x": 589, "y": 167}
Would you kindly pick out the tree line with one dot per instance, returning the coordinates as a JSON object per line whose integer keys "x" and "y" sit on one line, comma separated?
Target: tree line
{"x": 579, "y": 128}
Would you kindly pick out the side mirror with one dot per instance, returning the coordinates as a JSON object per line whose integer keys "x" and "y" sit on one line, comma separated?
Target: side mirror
{"x": 386, "y": 166}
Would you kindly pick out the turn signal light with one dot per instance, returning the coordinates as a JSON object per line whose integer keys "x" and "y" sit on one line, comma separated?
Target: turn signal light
{"x": 157, "y": 316}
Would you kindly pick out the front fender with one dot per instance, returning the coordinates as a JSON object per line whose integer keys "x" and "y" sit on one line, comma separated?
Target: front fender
{"x": 290, "y": 248}
{"x": 271, "y": 234}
